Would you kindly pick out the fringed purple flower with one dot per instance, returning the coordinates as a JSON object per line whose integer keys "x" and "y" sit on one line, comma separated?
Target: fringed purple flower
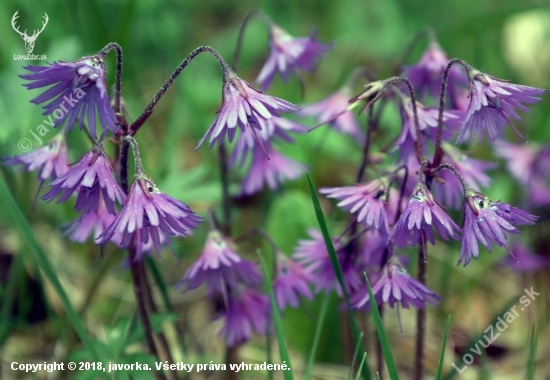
{"x": 329, "y": 108}
{"x": 288, "y": 54}
{"x": 246, "y": 313}
{"x": 93, "y": 222}
{"x": 313, "y": 255}
{"x": 272, "y": 170}
{"x": 473, "y": 172}
{"x": 291, "y": 282}
{"x": 78, "y": 88}
{"x": 50, "y": 160}
{"x": 366, "y": 200}
{"x": 427, "y": 74}
{"x": 488, "y": 222}
{"x": 396, "y": 286}
{"x": 150, "y": 211}
{"x": 529, "y": 164}
{"x": 422, "y": 213}
{"x": 92, "y": 176}
{"x": 221, "y": 267}
{"x": 493, "y": 103}
{"x": 243, "y": 106}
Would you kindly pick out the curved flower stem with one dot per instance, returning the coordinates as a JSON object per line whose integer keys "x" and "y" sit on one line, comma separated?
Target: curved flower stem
{"x": 418, "y": 143}
{"x": 249, "y": 16}
{"x": 438, "y": 155}
{"x": 427, "y": 32}
{"x": 421, "y": 313}
{"x": 118, "y": 76}
{"x": 132, "y": 141}
{"x": 134, "y": 127}
{"x": 455, "y": 171}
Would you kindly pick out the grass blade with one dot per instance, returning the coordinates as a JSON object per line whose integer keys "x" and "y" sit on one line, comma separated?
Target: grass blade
{"x": 382, "y": 337}
{"x": 283, "y": 351}
{"x": 532, "y": 353}
{"x": 44, "y": 264}
{"x": 338, "y": 270}
{"x": 439, "y": 372}
{"x": 355, "y": 352}
{"x": 361, "y": 367}
{"x": 316, "y": 337}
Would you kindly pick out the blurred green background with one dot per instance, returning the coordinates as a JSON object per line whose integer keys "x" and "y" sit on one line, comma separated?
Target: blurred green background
{"x": 508, "y": 39}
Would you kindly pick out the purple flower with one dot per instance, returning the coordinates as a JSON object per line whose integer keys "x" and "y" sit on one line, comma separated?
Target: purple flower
{"x": 243, "y": 106}
{"x": 488, "y": 222}
{"x": 276, "y": 128}
{"x": 328, "y": 108}
{"x": 523, "y": 260}
{"x": 51, "y": 160}
{"x": 291, "y": 282}
{"x": 427, "y": 74}
{"x": 395, "y": 285}
{"x": 288, "y": 54}
{"x": 92, "y": 176}
{"x": 366, "y": 200}
{"x": 78, "y": 88}
{"x": 272, "y": 171}
{"x": 472, "y": 170}
{"x": 529, "y": 164}
{"x": 95, "y": 221}
{"x": 246, "y": 313}
{"x": 221, "y": 267}
{"x": 493, "y": 104}
{"x": 150, "y": 211}
{"x": 427, "y": 122}
{"x": 422, "y": 213}
{"x": 313, "y": 255}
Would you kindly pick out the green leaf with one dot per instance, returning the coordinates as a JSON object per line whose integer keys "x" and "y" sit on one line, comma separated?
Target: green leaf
{"x": 318, "y": 330}
{"x": 439, "y": 372}
{"x": 355, "y": 352}
{"x": 42, "y": 260}
{"x": 283, "y": 351}
{"x": 339, "y": 275}
{"x": 361, "y": 367}
{"x": 532, "y": 354}
{"x": 382, "y": 337}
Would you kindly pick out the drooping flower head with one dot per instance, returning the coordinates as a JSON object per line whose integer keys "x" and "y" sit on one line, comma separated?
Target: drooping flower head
{"x": 492, "y": 105}
{"x": 366, "y": 200}
{"x": 396, "y": 286}
{"x": 246, "y": 312}
{"x": 150, "y": 211}
{"x": 529, "y": 164}
{"x": 221, "y": 267}
{"x": 288, "y": 54}
{"x": 50, "y": 160}
{"x": 291, "y": 282}
{"x": 92, "y": 177}
{"x": 487, "y": 221}
{"x": 78, "y": 89}
{"x": 329, "y": 108}
{"x": 421, "y": 214}
{"x": 313, "y": 255}
{"x": 269, "y": 168}
{"x": 427, "y": 74}
{"x": 243, "y": 106}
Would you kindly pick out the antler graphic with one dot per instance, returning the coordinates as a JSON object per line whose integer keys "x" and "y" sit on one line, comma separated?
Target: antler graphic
{"x": 29, "y": 40}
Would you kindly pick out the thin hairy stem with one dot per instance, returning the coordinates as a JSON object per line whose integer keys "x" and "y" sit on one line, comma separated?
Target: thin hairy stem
{"x": 438, "y": 155}
{"x": 238, "y": 47}
{"x": 118, "y": 76}
{"x": 134, "y": 127}
{"x": 421, "y": 313}
{"x": 133, "y": 143}
{"x": 455, "y": 171}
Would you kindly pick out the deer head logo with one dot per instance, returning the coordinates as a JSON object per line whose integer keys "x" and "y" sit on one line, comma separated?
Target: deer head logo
{"x": 29, "y": 40}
